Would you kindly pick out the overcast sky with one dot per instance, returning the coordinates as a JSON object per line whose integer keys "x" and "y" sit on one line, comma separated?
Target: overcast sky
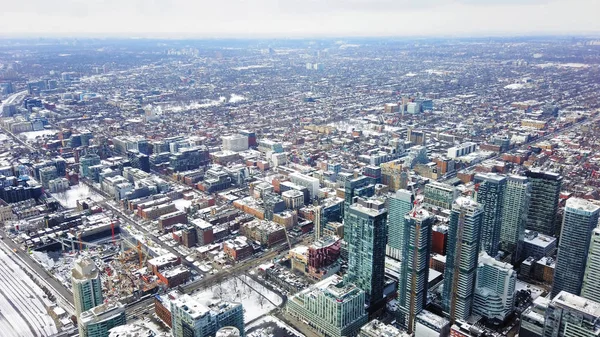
{"x": 298, "y": 18}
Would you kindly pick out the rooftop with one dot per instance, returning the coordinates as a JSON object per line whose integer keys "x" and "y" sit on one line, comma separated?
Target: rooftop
{"x": 577, "y": 303}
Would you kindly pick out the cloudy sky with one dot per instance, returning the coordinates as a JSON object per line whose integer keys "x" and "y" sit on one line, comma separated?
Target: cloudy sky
{"x": 297, "y": 18}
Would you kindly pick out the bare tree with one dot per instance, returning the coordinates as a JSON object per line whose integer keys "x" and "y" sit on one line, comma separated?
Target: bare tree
{"x": 260, "y": 299}
{"x": 219, "y": 291}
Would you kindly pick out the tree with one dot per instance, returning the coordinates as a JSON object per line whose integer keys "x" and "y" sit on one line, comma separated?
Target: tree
{"x": 260, "y": 299}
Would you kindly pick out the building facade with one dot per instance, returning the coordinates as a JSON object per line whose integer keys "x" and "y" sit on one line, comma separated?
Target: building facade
{"x": 98, "y": 321}
{"x": 543, "y": 204}
{"x": 580, "y": 219}
{"x": 494, "y": 289}
{"x": 332, "y": 307}
{"x": 87, "y": 286}
{"x": 514, "y": 215}
{"x": 399, "y": 205}
{"x": 569, "y": 315}
{"x": 461, "y": 259}
{"x": 365, "y": 231}
{"x": 414, "y": 270}
{"x": 490, "y": 189}
{"x": 440, "y": 195}
{"x": 591, "y": 277}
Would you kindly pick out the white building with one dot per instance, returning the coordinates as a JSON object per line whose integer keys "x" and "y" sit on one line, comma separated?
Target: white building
{"x": 235, "y": 143}
{"x": 312, "y": 184}
{"x": 494, "y": 289}
{"x": 461, "y": 150}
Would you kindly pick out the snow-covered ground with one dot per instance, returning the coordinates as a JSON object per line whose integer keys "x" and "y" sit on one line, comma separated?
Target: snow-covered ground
{"x": 181, "y": 204}
{"x": 273, "y": 297}
{"x": 270, "y": 326}
{"x": 69, "y": 197}
{"x": 31, "y": 135}
{"x": 251, "y": 296}
{"x": 22, "y": 302}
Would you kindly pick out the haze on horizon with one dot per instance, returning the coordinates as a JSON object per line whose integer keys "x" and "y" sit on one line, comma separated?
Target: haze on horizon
{"x": 297, "y": 18}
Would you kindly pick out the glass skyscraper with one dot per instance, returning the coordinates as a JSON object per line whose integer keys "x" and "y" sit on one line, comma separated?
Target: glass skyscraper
{"x": 490, "y": 195}
{"x": 514, "y": 215}
{"x": 365, "y": 231}
{"x": 399, "y": 205}
{"x": 543, "y": 205}
{"x": 464, "y": 236}
{"x": 591, "y": 277}
{"x": 414, "y": 272}
{"x": 87, "y": 287}
{"x": 580, "y": 219}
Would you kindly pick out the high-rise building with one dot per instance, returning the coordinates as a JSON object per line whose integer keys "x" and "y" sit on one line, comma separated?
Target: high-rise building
{"x": 365, "y": 231}
{"x": 399, "y": 205}
{"x": 580, "y": 219}
{"x": 97, "y": 321}
{"x": 543, "y": 204}
{"x": 569, "y": 315}
{"x": 414, "y": 270}
{"x": 461, "y": 259}
{"x": 494, "y": 289}
{"x": 490, "y": 195}
{"x": 358, "y": 187}
{"x": 87, "y": 286}
{"x": 514, "y": 215}
{"x": 440, "y": 195}
{"x": 333, "y": 307}
{"x": 591, "y": 277}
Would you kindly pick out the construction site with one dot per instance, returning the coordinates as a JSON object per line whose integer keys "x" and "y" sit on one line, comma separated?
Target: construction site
{"x": 121, "y": 253}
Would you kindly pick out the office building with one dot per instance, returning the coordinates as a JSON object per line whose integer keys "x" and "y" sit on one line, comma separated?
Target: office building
{"x": 87, "y": 286}
{"x": 538, "y": 245}
{"x": 543, "y": 204}
{"x": 494, "y": 289}
{"x": 440, "y": 195}
{"x": 461, "y": 150}
{"x": 569, "y": 315}
{"x": 365, "y": 231}
{"x": 591, "y": 276}
{"x": 98, "y": 321}
{"x": 85, "y": 162}
{"x": 580, "y": 219}
{"x": 312, "y": 184}
{"x": 490, "y": 190}
{"x": 514, "y": 215}
{"x": 533, "y": 318}
{"x": 414, "y": 270}
{"x": 235, "y": 143}
{"x": 399, "y": 205}
{"x": 332, "y": 307}
{"x": 461, "y": 259}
